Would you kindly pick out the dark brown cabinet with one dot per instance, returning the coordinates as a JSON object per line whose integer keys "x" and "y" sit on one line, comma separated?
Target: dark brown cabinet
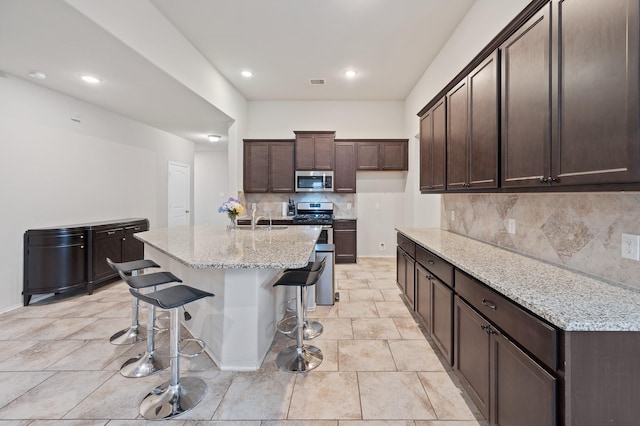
{"x": 589, "y": 82}
{"x": 64, "y": 258}
{"x": 344, "y": 175}
{"x": 433, "y": 148}
{"x": 268, "y": 165}
{"x": 314, "y": 150}
{"x": 472, "y": 129}
{"x": 405, "y": 268}
{"x": 385, "y": 154}
{"x": 345, "y": 238}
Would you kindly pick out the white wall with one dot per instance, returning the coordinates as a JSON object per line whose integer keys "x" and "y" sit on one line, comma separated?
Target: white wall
{"x": 482, "y": 23}
{"x": 210, "y": 186}
{"x": 350, "y": 120}
{"x": 58, "y": 172}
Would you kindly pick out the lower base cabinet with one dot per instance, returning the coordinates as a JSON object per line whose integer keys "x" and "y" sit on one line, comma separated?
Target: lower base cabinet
{"x": 345, "y": 238}
{"x": 405, "y": 265}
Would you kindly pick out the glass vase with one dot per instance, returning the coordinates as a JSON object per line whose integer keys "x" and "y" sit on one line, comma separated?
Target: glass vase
{"x": 232, "y": 223}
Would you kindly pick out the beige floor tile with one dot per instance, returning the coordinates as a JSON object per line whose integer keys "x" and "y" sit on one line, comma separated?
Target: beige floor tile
{"x": 445, "y": 397}
{"x": 376, "y": 423}
{"x": 393, "y": 395}
{"x": 360, "y": 275}
{"x": 362, "y": 295}
{"x": 300, "y": 423}
{"x": 409, "y": 328}
{"x": 392, "y": 310}
{"x": 142, "y": 422}
{"x": 374, "y": 328}
{"x": 93, "y": 355}
{"x": 450, "y": 423}
{"x": 324, "y": 311}
{"x": 391, "y": 295}
{"x": 103, "y": 329}
{"x": 16, "y": 327}
{"x": 221, "y": 423}
{"x": 9, "y": 348}
{"x": 319, "y": 395}
{"x": 415, "y": 355}
{"x": 257, "y": 396}
{"x": 357, "y": 310}
{"x": 336, "y": 328}
{"x": 329, "y": 350}
{"x": 56, "y": 396}
{"x": 351, "y": 284}
{"x": 217, "y": 384}
{"x": 83, "y": 422}
{"x": 365, "y": 355}
{"x": 16, "y": 383}
{"x": 40, "y": 356}
{"x": 57, "y": 329}
{"x": 383, "y": 284}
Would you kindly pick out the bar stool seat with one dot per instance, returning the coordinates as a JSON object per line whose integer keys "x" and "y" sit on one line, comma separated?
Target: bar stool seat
{"x": 300, "y": 358}
{"x": 132, "y": 334}
{"x": 149, "y": 362}
{"x": 178, "y": 395}
{"x": 288, "y": 325}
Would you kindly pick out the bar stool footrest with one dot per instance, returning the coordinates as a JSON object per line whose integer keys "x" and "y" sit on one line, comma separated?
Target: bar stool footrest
{"x": 199, "y": 342}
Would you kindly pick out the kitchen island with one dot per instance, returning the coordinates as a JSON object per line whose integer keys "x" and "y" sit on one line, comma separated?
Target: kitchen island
{"x": 239, "y": 267}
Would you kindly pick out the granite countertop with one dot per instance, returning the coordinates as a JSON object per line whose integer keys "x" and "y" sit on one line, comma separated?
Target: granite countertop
{"x": 205, "y": 246}
{"x": 567, "y": 299}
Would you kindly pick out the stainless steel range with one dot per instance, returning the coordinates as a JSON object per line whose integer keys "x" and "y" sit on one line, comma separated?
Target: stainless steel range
{"x": 316, "y": 214}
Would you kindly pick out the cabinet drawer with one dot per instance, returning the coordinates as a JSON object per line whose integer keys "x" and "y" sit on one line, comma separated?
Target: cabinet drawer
{"x": 407, "y": 245}
{"x": 52, "y": 240}
{"x": 135, "y": 228}
{"x": 109, "y": 233}
{"x": 437, "y": 266}
{"x": 346, "y": 224}
{"x": 531, "y": 333}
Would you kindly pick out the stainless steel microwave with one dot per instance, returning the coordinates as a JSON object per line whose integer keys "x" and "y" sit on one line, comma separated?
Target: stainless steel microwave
{"x": 314, "y": 181}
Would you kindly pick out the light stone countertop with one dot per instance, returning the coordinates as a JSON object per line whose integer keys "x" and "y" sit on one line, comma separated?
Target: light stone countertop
{"x": 211, "y": 247}
{"x": 567, "y": 299}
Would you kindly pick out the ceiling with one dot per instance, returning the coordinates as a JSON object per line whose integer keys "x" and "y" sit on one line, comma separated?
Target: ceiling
{"x": 283, "y": 42}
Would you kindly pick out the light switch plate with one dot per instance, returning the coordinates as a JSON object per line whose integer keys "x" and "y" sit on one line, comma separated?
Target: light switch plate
{"x": 631, "y": 246}
{"x": 511, "y": 226}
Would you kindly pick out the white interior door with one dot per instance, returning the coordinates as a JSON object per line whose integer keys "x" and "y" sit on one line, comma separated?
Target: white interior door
{"x": 179, "y": 194}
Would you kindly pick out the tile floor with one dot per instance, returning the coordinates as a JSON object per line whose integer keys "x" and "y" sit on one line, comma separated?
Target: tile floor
{"x": 57, "y": 366}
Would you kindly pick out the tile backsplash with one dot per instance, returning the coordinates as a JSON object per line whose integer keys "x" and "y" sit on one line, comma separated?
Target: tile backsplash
{"x": 581, "y": 231}
{"x": 272, "y": 203}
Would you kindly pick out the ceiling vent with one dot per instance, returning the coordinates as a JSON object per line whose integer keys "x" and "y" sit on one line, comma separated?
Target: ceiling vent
{"x": 317, "y": 81}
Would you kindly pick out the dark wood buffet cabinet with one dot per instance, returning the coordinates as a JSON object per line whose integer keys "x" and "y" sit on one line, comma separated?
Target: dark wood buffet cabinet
{"x": 568, "y": 100}
{"x": 518, "y": 369}
{"x": 63, "y": 258}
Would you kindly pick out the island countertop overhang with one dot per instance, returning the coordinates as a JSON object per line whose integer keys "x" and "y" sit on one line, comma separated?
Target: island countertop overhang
{"x": 214, "y": 247}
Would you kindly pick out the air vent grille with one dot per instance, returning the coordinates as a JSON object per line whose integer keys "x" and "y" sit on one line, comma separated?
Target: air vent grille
{"x": 317, "y": 81}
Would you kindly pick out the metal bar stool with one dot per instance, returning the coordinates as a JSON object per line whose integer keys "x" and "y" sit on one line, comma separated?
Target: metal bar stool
{"x": 178, "y": 395}
{"x": 132, "y": 334}
{"x": 300, "y": 358}
{"x": 149, "y": 362}
{"x": 288, "y": 325}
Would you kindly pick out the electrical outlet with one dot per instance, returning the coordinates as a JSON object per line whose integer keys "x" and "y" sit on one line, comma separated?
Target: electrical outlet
{"x": 511, "y": 226}
{"x": 382, "y": 247}
{"x": 631, "y": 246}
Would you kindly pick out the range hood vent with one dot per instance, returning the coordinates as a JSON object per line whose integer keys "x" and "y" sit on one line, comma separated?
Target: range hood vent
{"x": 317, "y": 81}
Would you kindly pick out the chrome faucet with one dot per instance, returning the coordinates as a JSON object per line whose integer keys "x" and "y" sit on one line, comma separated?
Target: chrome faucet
{"x": 254, "y": 219}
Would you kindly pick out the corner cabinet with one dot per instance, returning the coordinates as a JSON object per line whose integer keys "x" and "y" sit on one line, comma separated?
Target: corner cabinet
{"x": 433, "y": 148}
{"x": 314, "y": 150}
{"x": 268, "y": 165}
{"x": 65, "y": 258}
{"x": 345, "y": 238}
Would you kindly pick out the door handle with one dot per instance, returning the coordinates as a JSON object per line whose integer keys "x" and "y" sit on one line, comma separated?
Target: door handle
{"x": 186, "y": 211}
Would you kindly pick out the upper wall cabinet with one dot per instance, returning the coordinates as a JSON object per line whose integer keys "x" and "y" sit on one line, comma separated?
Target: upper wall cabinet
{"x": 268, "y": 166}
{"x": 385, "y": 154}
{"x": 344, "y": 175}
{"x": 592, "y": 135}
{"x": 314, "y": 150}
{"x": 472, "y": 129}
{"x": 433, "y": 148}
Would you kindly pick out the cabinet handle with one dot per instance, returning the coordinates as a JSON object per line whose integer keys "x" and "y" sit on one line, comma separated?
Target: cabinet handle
{"x": 431, "y": 262}
{"x": 544, "y": 180}
{"x": 553, "y": 180}
{"x": 81, "y": 247}
{"x": 111, "y": 232}
{"x": 489, "y": 304}
{"x": 486, "y": 328}
{"x": 137, "y": 228}
{"x": 124, "y": 239}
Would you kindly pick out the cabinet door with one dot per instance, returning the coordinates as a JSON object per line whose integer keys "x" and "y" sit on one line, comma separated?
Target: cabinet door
{"x": 256, "y": 167}
{"x": 597, "y": 125}
{"x": 107, "y": 243}
{"x": 345, "y": 240}
{"x": 132, "y": 249}
{"x": 410, "y": 284}
{"x": 522, "y": 393}
{"x": 483, "y": 124}
{"x": 471, "y": 359}
{"x": 442, "y": 330}
{"x": 305, "y": 152}
{"x": 323, "y": 152}
{"x": 401, "y": 269}
{"x": 344, "y": 175}
{"x": 281, "y": 167}
{"x": 368, "y": 155}
{"x": 526, "y": 109}
{"x": 426, "y": 152}
{"x": 423, "y": 296}
{"x": 439, "y": 146}
{"x": 457, "y": 126}
{"x": 393, "y": 156}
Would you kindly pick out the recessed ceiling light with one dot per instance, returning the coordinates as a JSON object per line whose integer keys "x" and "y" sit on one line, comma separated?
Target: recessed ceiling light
{"x": 90, "y": 79}
{"x": 247, "y": 73}
{"x": 37, "y": 74}
{"x": 213, "y": 138}
{"x": 350, "y": 73}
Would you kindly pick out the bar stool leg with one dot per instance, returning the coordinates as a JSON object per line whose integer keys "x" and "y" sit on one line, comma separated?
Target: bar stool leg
{"x": 148, "y": 363}
{"x": 299, "y": 358}
{"x": 312, "y": 329}
{"x": 132, "y": 334}
{"x": 176, "y": 396}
